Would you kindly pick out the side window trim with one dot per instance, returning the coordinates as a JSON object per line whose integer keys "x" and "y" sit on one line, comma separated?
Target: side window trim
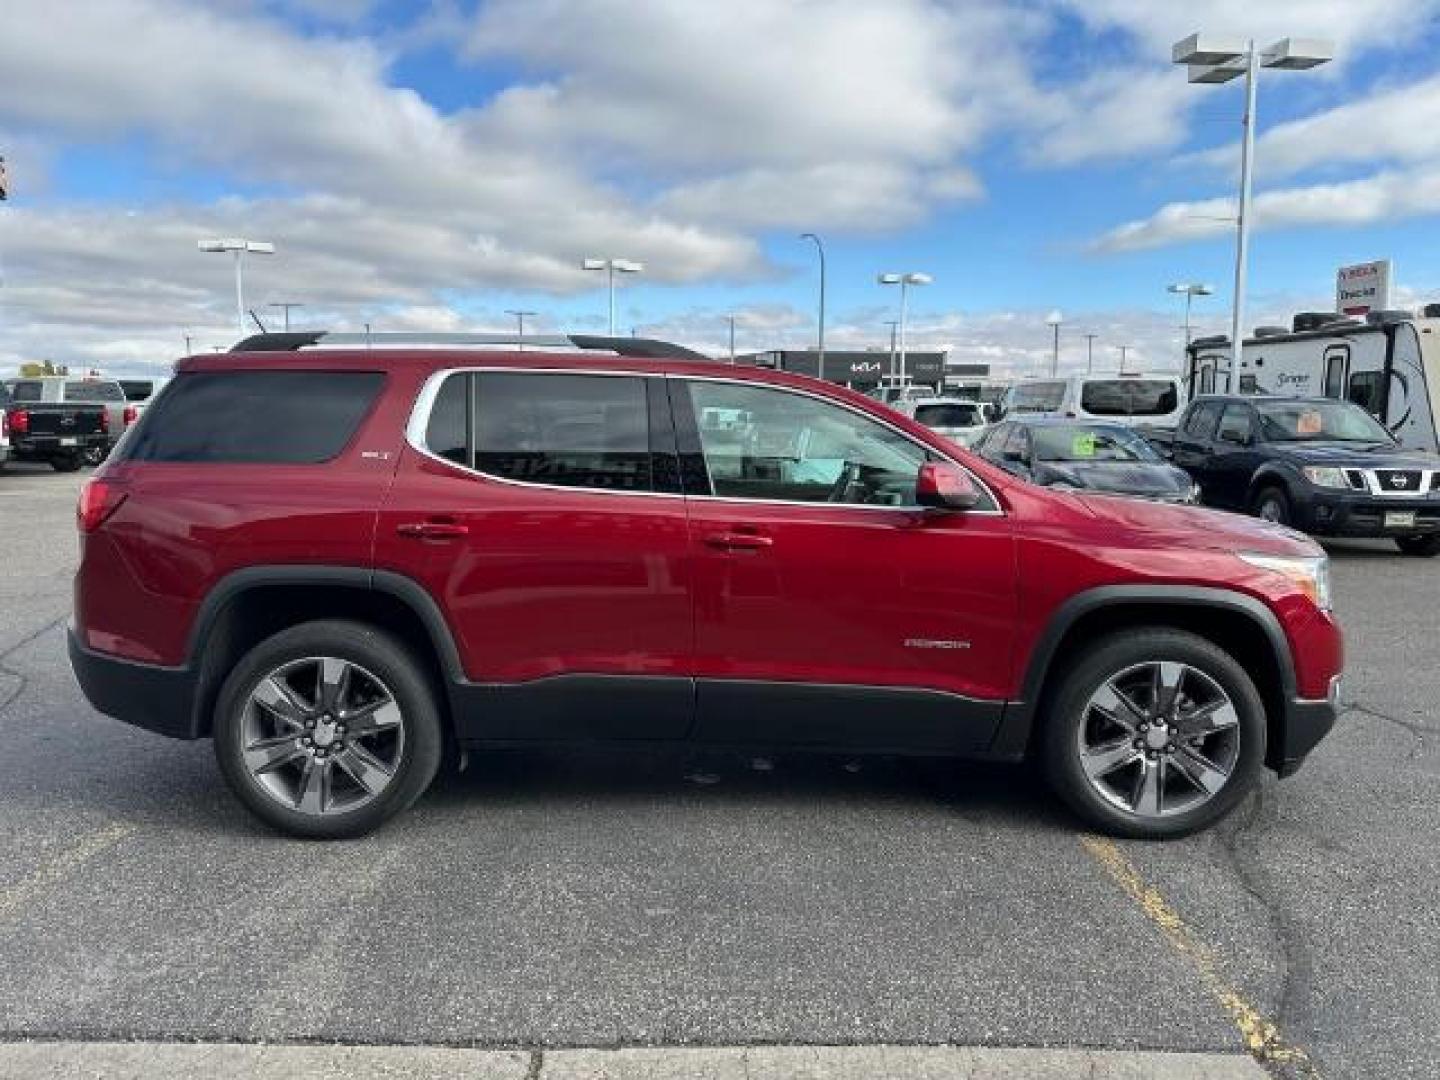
{"x": 689, "y": 444}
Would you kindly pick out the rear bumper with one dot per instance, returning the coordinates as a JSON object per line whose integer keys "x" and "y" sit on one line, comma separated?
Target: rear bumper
{"x": 45, "y": 447}
{"x": 1305, "y": 724}
{"x": 159, "y": 699}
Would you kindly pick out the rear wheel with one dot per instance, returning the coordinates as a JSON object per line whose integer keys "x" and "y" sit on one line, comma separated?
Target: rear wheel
{"x": 1272, "y": 504}
{"x": 1154, "y": 733}
{"x": 1424, "y": 546}
{"x": 328, "y": 729}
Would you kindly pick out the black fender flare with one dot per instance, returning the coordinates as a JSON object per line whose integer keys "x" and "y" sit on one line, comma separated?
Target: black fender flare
{"x": 1014, "y": 733}
{"x": 1273, "y": 474}
{"x": 405, "y": 589}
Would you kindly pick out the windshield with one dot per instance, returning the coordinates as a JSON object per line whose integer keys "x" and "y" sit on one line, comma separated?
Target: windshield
{"x": 1130, "y": 397}
{"x": 1082, "y": 442}
{"x": 1320, "y": 420}
{"x": 949, "y": 414}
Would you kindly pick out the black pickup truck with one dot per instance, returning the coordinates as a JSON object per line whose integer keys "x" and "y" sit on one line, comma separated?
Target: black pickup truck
{"x": 1317, "y": 464}
{"x": 65, "y": 434}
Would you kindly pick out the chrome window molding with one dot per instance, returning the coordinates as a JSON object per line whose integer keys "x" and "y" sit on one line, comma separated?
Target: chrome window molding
{"x": 425, "y": 402}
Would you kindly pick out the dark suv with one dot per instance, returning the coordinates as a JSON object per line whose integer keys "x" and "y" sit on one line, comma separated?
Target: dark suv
{"x": 1324, "y": 466}
{"x": 339, "y": 562}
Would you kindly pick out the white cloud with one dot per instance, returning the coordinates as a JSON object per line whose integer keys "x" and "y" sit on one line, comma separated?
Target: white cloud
{"x": 1387, "y": 196}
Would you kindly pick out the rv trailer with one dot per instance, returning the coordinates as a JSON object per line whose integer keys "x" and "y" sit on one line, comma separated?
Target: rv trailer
{"x": 1389, "y": 364}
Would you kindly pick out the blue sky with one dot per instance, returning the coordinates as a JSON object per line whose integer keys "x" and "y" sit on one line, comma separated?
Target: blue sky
{"x": 433, "y": 164}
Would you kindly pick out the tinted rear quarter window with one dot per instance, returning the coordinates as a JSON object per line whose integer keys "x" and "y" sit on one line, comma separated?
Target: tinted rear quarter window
{"x": 947, "y": 415}
{"x": 258, "y": 417}
{"x": 85, "y": 390}
{"x": 1038, "y": 397}
{"x": 1129, "y": 397}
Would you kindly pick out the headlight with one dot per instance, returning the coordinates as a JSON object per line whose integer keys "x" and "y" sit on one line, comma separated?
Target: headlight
{"x": 1325, "y": 476}
{"x": 1310, "y": 572}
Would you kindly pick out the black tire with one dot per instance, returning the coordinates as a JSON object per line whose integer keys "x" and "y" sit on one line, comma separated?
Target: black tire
{"x": 66, "y": 463}
{"x": 95, "y": 455}
{"x": 373, "y": 650}
{"x": 1425, "y": 547}
{"x": 1277, "y": 503}
{"x": 1067, "y": 708}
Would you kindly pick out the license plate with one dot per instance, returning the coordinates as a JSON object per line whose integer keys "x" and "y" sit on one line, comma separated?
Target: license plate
{"x": 1400, "y": 519}
{"x": 76, "y": 442}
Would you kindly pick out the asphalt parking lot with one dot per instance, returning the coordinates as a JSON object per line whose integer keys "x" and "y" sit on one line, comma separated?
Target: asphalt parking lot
{"x": 547, "y": 901}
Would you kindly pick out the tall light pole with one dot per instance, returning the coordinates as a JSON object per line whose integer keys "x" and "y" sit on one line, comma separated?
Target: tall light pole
{"x": 1124, "y": 349}
{"x": 285, "y": 306}
{"x": 611, "y": 268}
{"x": 520, "y": 317}
{"x": 1190, "y": 292}
{"x": 1218, "y": 60}
{"x": 239, "y": 247}
{"x": 1090, "y": 352}
{"x": 1053, "y": 320}
{"x": 731, "y": 320}
{"x": 904, "y": 281}
{"x": 820, "y": 342}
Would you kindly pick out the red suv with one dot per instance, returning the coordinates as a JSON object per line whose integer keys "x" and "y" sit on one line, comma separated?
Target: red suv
{"x": 340, "y": 563}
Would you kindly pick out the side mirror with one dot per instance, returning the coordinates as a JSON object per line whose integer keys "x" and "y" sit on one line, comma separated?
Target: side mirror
{"x": 1236, "y": 437}
{"x": 944, "y": 486}
{"x": 1014, "y": 457}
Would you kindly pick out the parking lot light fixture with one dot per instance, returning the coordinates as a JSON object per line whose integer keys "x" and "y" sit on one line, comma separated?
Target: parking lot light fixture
{"x": 1054, "y": 320}
{"x": 906, "y": 280}
{"x": 1218, "y": 60}
{"x": 611, "y": 268}
{"x": 820, "y": 338}
{"x": 1189, "y": 291}
{"x": 240, "y": 247}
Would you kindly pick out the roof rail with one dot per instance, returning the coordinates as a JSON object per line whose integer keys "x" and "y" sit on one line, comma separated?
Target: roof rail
{"x": 292, "y": 341}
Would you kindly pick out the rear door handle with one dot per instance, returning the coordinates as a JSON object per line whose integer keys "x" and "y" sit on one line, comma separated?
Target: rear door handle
{"x": 432, "y": 530}
{"x": 738, "y": 541}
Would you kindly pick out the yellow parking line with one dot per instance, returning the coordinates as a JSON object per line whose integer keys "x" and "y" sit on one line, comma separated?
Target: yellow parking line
{"x": 51, "y": 873}
{"x": 1262, "y": 1038}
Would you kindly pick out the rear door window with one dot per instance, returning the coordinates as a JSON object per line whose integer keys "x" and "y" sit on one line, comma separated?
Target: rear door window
{"x": 260, "y": 417}
{"x": 1130, "y": 397}
{"x": 26, "y": 390}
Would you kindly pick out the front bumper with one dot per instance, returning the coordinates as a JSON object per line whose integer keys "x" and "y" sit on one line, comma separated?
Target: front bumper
{"x": 159, "y": 699}
{"x": 1305, "y": 724}
{"x": 1339, "y": 513}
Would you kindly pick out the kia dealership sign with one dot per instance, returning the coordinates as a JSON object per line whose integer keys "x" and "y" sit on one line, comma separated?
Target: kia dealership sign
{"x": 1363, "y": 288}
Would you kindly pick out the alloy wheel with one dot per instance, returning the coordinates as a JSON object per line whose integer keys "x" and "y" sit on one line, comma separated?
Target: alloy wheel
{"x": 321, "y": 735}
{"x": 1159, "y": 739}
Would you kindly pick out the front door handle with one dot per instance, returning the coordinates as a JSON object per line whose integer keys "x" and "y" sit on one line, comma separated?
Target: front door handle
{"x": 739, "y": 541}
{"x": 432, "y": 530}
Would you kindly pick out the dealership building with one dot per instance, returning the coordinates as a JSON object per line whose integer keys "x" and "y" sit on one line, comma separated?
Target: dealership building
{"x": 864, "y": 369}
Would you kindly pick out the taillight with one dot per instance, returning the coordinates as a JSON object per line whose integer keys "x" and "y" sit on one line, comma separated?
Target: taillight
{"x": 104, "y": 419}
{"x": 131, "y": 415}
{"x": 20, "y": 422}
{"x": 98, "y": 500}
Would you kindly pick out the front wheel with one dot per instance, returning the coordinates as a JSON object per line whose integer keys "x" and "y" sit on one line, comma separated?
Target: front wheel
{"x": 328, "y": 729}
{"x": 1154, "y": 733}
{"x": 1273, "y": 505}
{"x": 1426, "y": 547}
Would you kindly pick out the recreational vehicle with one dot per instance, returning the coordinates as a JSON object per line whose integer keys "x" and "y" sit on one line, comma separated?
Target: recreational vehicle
{"x": 1388, "y": 364}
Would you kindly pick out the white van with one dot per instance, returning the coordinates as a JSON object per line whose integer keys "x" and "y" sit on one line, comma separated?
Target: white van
{"x": 1134, "y": 399}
